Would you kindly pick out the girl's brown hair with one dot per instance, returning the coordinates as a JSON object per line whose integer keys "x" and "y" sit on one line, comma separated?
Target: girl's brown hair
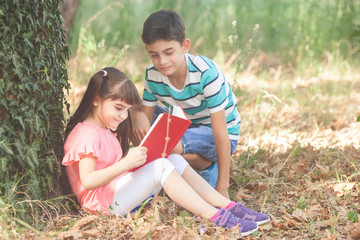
{"x": 109, "y": 83}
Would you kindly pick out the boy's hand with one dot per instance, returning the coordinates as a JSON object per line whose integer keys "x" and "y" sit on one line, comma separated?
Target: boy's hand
{"x": 141, "y": 125}
{"x": 141, "y": 117}
{"x": 223, "y": 191}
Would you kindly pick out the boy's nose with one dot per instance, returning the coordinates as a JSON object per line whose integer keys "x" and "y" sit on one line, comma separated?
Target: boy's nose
{"x": 163, "y": 60}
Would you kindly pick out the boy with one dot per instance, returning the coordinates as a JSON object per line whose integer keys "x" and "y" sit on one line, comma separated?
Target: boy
{"x": 197, "y": 84}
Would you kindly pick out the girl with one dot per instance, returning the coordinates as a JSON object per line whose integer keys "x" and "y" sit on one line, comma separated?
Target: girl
{"x": 97, "y": 165}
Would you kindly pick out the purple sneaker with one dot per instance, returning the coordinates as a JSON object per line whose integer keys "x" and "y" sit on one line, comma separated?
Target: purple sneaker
{"x": 242, "y": 212}
{"x": 227, "y": 220}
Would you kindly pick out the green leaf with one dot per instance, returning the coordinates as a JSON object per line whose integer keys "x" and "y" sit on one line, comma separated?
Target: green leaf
{"x": 3, "y": 164}
{"x": 353, "y": 216}
{"x": 6, "y": 147}
{"x": 358, "y": 119}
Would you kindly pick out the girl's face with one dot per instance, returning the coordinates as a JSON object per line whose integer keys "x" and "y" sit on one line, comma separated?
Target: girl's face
{"x": 109, "y": 113}
{"x": 168, "y": 56}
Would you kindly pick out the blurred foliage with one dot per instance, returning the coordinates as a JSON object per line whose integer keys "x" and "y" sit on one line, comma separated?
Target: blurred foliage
{"x": 32, "y": 82}
{"x": 295, "y": 31}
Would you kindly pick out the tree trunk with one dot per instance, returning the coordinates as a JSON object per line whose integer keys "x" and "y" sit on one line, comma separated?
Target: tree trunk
{"x": 68, "y": 11}
{"x": 33, "y": 78}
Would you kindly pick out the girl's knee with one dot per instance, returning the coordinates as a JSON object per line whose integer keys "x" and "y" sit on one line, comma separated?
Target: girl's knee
{"x": 161, "y": 165}
{"x": 179, "y": 162}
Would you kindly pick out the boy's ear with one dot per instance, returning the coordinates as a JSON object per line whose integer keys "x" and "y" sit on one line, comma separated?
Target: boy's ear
{"x": 147, "y": 49}
{"x": 186, "y": 45}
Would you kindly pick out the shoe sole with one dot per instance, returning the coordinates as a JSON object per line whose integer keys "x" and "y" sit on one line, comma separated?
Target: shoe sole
{"x": 263, "y": 221}
{"x": 249, "y": 232}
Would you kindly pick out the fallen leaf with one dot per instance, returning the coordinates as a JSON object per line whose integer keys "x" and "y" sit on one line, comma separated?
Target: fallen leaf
{"x": 242, "y": 194}
{"x": 277, "y": 224}
{"x": 291, "y": 222}
{"x": 338, "y": 123}
{"x": 322, "y": 174}
{"x": 299, "y": 215}
{"x": 301, "y": 167}
{"x": 289, "y": 175}
{"x": 355, "y": 233}
{"x": 324, "y": 170}
{"x": 292, "y": 194}
{"x": 341, "y": 188}
{"x": 329, "y": 236}
{"x": 331, "y": 222}
{"x": 84, "y": 222}
{"x": 93, "y": 233}
{"x": 261, "y": 187}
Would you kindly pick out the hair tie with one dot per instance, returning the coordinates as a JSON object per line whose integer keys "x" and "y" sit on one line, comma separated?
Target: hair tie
{"x": 105, "y": 73}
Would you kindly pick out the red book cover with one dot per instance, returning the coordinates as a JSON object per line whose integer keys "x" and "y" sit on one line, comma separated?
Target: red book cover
{"x": 164, "y": 134}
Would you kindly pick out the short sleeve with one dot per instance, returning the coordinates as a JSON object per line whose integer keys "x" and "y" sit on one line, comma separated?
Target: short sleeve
{"x": 79, "y": 151}
{"x": 215, "y": 90}
{"x": 149, "y": 99}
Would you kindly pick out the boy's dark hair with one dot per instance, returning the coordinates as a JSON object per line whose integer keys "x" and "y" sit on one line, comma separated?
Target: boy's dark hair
{"x": 163, "y": 25}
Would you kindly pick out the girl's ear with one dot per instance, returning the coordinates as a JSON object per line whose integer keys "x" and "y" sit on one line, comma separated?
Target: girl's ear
{"x": 96, "y": 101}
{"x": 186, "y": 45}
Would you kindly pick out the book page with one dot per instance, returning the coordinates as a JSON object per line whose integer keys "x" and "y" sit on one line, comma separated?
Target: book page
{"x": 150, "y": 130}
{"x": 179, "y": 112}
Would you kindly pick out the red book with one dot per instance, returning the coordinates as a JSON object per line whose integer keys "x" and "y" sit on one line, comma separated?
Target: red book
{"x": 164, "y": 134}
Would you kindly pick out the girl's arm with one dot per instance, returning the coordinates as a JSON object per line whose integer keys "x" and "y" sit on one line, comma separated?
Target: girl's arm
{"x": 92, "y": 178}
{"x": 222, "y": 142}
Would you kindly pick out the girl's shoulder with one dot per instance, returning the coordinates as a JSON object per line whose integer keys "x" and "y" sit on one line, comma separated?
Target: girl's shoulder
{"x": 85, "y": 132}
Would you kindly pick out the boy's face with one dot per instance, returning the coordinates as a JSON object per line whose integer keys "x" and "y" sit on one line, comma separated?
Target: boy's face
{"x": 168, "y": 56}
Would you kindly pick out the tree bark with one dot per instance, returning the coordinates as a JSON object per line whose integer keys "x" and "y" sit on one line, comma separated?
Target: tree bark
{"x": 68, "y": 11}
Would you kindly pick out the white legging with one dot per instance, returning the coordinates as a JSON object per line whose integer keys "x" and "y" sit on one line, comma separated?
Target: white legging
{"x": 132, "y": 189}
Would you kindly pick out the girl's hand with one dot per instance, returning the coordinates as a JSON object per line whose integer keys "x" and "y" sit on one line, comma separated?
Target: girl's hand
{"x": 135, "y": 157}
{"x": 92, "y": 178}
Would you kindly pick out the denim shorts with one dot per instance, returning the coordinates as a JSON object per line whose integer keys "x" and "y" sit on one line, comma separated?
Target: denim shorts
{"x": 199, "y": 139}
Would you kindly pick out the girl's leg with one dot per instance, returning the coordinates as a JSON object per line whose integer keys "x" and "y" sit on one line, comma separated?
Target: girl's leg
{"x": 182, "y": 193}
{"x": 199, "y": 185}
{"x": 132, "y": 189}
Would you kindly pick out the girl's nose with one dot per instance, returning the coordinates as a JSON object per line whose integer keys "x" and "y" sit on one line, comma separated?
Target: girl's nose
{"x": 124, "y": 114}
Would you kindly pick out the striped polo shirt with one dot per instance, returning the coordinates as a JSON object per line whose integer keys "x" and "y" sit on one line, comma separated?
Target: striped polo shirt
{"x": 205, "y": 91}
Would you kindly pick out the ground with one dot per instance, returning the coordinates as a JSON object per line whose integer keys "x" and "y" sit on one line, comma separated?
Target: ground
{"x": 297, "y": 160}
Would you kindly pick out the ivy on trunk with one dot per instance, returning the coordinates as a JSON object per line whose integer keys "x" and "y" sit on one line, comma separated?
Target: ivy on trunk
{"x": 33, "y": 78}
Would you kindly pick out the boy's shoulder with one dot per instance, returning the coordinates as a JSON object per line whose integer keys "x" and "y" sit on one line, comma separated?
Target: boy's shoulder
{"x": 200, "y": 63}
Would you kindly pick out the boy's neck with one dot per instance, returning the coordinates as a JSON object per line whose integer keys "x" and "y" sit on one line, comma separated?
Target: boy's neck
{"x": 178, "y": 79}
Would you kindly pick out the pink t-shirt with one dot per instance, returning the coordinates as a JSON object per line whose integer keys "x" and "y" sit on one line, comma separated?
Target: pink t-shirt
{"x": 88, "y": 138}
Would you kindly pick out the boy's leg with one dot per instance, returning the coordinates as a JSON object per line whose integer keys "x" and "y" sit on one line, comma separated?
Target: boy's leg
{"x": 199, "y": 150}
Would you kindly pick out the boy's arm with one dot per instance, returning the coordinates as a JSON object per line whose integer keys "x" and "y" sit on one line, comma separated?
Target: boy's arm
{"x": 222, "y": 142}
{"x": 141, "y": 118}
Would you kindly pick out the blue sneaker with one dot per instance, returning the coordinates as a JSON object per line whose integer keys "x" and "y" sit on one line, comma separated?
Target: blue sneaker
{"x": 242, "y": 212}
{"x": 147, "y": 202}
{"x": 227, "y": 220}
{"x": 210, "y": 174}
